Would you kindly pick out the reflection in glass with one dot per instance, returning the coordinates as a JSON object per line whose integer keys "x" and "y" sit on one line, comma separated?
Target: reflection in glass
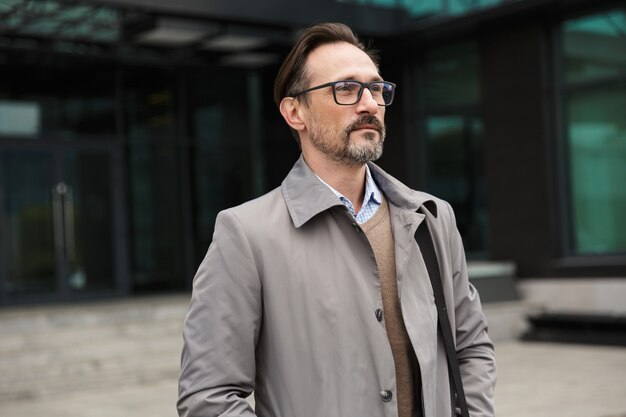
{"x": 222, "y": 162}
{"x": 597, "y": 141}
{"x": 455, "y": 139}
{"x": 88, "y": 221}
{"x": 430, "y": 7}
{"x": 156, "y": 229}
{"x": 150, "y": 106}
{"x": 19, "y": 118}
{"x": 56, "y": 102}
{"x": 456, "y": 174}
{"x": 155, "y": 197}
{"x": 452, "y": 76}
{"x": 464, "y": 6}
{"x": 595, "y": 46}
{"x": 28, "y": 221}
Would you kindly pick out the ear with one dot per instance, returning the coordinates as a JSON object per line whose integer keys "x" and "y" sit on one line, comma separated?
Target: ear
{"x": 291, "y": 111}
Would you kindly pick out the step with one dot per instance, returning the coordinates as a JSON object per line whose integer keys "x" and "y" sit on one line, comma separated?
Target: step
{"x": 582, "y": 328}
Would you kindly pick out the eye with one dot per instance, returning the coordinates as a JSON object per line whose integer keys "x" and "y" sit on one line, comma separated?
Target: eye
{"x": 346, "y": 87}
{"x": 376, "y": 88}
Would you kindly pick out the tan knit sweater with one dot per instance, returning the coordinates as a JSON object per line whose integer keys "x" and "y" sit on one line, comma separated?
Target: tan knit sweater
{"x": 379, "y": 234}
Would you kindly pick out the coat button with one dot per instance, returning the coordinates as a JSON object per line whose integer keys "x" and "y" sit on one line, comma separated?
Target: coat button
{"x": 386, "y": 395}
{"x": 379, "y": 314}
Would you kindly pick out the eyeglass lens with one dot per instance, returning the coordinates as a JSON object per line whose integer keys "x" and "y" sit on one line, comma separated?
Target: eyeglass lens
{"x": 349, "y": 92}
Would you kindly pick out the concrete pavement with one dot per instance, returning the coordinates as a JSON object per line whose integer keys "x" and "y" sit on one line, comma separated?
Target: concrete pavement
{"x": 120, "y": 359}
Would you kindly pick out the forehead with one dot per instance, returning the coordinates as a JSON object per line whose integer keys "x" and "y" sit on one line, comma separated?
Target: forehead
{"x": 341, "y": 60}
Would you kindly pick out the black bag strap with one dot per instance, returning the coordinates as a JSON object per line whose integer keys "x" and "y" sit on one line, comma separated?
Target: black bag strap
{"x": 425, "y": 243}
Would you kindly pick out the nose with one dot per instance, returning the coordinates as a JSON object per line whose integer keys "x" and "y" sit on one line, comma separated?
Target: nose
{"x": 367, "y": 104}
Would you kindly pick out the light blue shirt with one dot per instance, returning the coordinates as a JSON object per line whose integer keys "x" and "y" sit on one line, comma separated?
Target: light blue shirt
{"x": 371, "y": 200}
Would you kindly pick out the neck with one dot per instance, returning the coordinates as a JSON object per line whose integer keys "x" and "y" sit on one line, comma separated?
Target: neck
{"x": 349, "y": 180}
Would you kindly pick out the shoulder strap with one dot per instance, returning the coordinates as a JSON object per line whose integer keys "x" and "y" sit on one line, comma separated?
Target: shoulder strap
{"x": 425, "y": 243}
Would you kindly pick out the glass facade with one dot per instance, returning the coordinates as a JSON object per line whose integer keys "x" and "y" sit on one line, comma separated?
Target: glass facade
{"x": 28, "y": 221}
{"x": 151, "y": 129}
{"x": 56, "y": 100}
{"x": 96, "y": 158}
{"x": 454, "y": 143}
{"x": 116, "y": 153}
{"x": 594, "y": 54}
{"x": 57, "y": 218}
{"x": 221, "y": 132}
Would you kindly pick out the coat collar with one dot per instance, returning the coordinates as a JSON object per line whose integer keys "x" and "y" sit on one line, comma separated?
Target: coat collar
{"x": 306, "y": 196}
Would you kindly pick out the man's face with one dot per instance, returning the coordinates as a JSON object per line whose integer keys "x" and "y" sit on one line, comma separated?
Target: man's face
{"x": 351, "y": 134}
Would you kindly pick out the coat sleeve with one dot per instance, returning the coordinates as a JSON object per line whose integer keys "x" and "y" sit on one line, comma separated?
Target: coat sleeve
{"x": 221, "y": 328}
{"x": 474, "y": 348}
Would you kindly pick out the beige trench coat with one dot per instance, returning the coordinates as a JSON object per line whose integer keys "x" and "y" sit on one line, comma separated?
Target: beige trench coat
{"x": 284, "y": 304}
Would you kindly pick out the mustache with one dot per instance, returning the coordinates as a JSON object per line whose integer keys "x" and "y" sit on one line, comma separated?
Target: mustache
{"x": 365, "y": 121}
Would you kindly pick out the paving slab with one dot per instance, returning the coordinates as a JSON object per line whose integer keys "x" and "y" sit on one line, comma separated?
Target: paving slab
{"x": 121, "y": 359}
{"x": 546, "y": 380}
{"x": 534, "y": 380}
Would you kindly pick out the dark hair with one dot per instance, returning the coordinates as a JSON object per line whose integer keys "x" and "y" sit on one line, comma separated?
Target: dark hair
{"x": 292, "y": 76}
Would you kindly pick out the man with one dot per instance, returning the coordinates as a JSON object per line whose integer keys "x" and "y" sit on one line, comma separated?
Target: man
{"x": 315, "y": 295}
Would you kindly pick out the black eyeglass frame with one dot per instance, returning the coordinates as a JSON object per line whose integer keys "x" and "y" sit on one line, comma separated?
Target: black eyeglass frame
{"x": 359, "y": 95}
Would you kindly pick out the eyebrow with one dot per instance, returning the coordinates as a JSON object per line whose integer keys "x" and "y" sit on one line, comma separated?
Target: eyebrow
{"x": 352, "y": 77}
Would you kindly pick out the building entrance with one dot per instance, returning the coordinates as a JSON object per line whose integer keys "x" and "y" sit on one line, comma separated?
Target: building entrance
{"x": 60, "y": 222}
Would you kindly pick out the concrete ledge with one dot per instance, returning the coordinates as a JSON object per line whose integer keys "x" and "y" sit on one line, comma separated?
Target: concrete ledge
{"x": 604, "y": 296}
{"x": 509, "y": 320}
{"x": 494, "y": 281}
{"x": 490, "y": 269}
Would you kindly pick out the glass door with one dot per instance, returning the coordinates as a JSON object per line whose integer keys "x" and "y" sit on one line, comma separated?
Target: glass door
{"x": 58, "y": 222}
{"x": 28, "y": 232}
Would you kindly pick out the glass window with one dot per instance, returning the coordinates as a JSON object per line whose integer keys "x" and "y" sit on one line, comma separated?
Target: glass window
{"x": 464, "y": 6}
{"x": 221, "y": 148}
{"x": 88, "y": 217}
{"x": 150, "y": 105}
{"x": 19, "y": 118}
{"x": 452, "y": 76}
{"x": 594, "y": 47}
{"x": 455, "y": 139}
{"x": 57, "y": 101}
{"x": 456, "y": 173}
{"x": 154, "y": 179}
{"x": 594, "y": 54}
{"x": 27, "y": 214}
{"x": 430, "y": 7}
{"x": 597, "y": 141}
{"x": 156, "y": 226}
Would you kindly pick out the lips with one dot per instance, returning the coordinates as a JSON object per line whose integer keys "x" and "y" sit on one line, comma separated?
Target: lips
{"x": 366, "y": 123}
{"x": 373, "y": 127}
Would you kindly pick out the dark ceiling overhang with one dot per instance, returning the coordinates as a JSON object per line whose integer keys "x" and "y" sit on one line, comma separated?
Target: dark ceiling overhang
{"x": 244, "y": 32}
{"x": 364, "y": 19}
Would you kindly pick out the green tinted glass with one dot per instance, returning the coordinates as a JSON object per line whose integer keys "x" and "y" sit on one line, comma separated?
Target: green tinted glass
{"x": 456, "y": 173}
{"x": 597, "y": 141}
{"x": 452, "y": 76}
{"x": 594, "y": 47}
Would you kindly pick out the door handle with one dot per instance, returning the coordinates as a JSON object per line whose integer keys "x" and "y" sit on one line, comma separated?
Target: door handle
{"x": 57, "y": 217}
{"x": 70, "y": 226}
{"x": 64, "y": 227}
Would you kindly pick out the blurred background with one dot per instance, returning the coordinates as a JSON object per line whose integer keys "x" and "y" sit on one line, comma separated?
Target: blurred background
{"x": 127, "y": 125}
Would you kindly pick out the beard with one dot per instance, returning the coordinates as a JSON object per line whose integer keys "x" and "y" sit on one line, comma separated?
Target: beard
{"x": 337, "y": 146}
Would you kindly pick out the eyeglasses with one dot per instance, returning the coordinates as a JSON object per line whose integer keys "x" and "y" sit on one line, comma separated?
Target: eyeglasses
{"x": 349, "y": 92}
